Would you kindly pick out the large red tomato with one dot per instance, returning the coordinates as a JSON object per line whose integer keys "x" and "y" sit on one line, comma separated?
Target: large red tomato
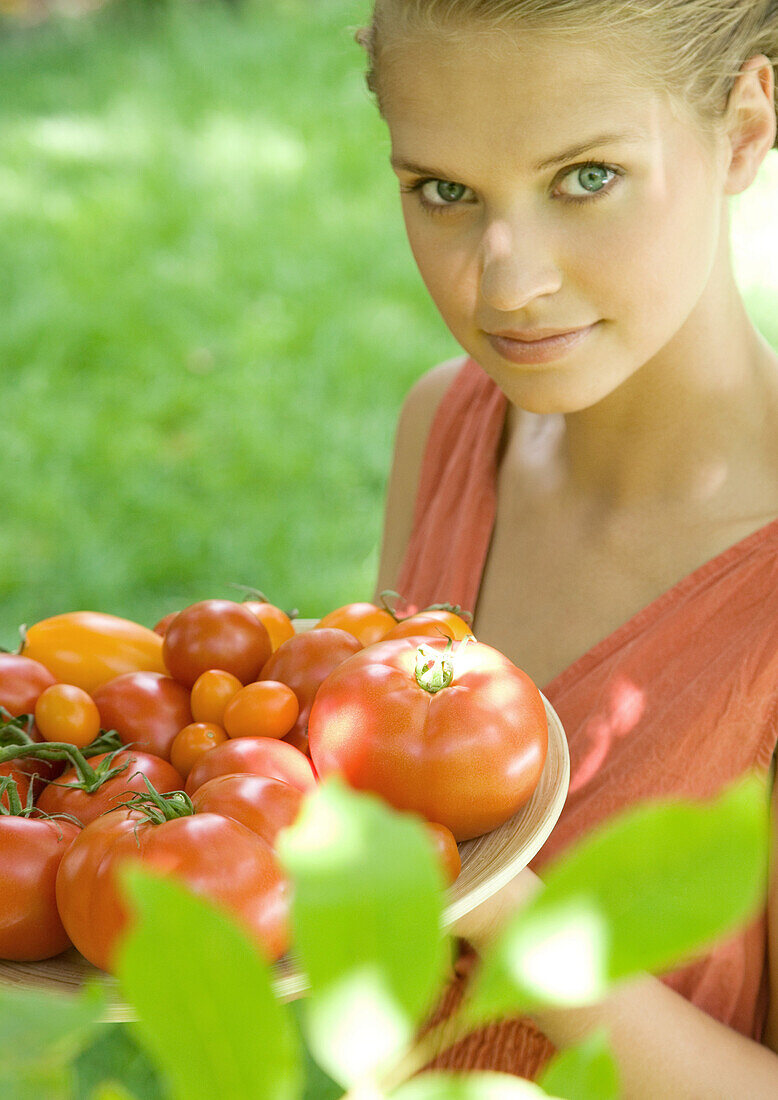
{"x": 254, "y": 756}
{"x": 215, "y": 634}
{"x": 460, "y": 738}
{"x": 66, "y": 797}
{"x": 214, "y": 856}
{"x": 21, "y": 682}
{"x": 30, "y": 925}
{"x": 144, "y": 708}
{"x": 262, "y": 804}
{"x": 302, "y": 663}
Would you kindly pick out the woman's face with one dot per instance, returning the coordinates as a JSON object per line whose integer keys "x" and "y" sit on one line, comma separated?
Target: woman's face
{"x": 542, "y": 189}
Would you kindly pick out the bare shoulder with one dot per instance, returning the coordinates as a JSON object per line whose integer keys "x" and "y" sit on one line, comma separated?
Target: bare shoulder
{"x": 413, "y": 425}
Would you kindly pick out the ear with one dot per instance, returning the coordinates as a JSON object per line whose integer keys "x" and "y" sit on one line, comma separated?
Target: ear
{"x": 750, "y": 122}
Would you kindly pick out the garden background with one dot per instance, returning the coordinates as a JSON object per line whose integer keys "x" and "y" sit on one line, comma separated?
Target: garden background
{"x": 210, "y": 313}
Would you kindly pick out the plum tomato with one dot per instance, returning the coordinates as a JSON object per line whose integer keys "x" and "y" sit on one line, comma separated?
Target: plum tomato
{"x": 255, "y": 756}
{"x": 277, "y": 623}
{"x": 211, "y": 692}
{"x": 65, "y": 712}
{"x": 302, "y": 664}
{"x": 21, "y": 682}
{"x": 366, "y": 621}
{"x": 214, "y": 856}
{"x": 66, "y": 797}
{"x": 215, "y": 634}
{"x": 146, "y": 709}
{"x": 87, "y": 648}
{"x": 266, "y": 708}
{"x": 434, "y": 623}
{"x": 458, "y": 734}
{"x": 30, "y": 925}
{"x": 262, "y": 804}
{"x": 192, "y": 741}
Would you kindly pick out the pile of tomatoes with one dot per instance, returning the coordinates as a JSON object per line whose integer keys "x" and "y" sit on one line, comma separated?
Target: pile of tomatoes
{"x": 189, "y": 747}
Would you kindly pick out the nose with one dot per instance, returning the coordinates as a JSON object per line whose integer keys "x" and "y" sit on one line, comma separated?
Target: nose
{"x": 516, "y": 266}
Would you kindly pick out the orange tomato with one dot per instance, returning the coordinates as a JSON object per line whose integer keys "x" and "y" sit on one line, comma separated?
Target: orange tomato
{"x": 88, "y": 648}
{"x": 432, "y": 624}
{"x": 446, "y": 850}
{"x": 64, "y": 712}
{"x": 275, "y": 621}
{"x": 211, "y": 692}
{"x": 367, "y": 622}
{"x": 191, "y": 742}
{"x": 267, "y": 708}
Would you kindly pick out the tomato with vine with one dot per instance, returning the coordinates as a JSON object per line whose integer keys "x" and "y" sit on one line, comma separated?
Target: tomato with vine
{"x": 455, "y": 732}
{"x": 87, "y": 792}
{"x": 215, "y": 856}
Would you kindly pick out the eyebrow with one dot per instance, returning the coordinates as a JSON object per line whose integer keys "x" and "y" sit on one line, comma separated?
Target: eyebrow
{"x": 623, "y": 137}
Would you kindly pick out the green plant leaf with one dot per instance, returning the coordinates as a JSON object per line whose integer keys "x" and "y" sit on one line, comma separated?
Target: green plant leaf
{"x": 368, "y": 898}
{"x": 444, "y": 1085}
{"x": 40, "y": 1034}
{"x": 586, "y": 1071}
{"x": 643, "y": 893}
{"x": 207, "y": 1012}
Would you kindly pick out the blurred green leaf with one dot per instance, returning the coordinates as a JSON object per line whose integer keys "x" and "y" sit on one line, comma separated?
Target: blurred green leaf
{"x": 112, "y": 1090}
{"x": 368, "y": 897}
{"x": 644, "y": 892}
{"x": 204, "y": 998}
{"x": 442, "y": 1085}
{"x": 114, "y": 1055}
{"x": 586, "y": 1071}
{"x": 40, "y": 1033}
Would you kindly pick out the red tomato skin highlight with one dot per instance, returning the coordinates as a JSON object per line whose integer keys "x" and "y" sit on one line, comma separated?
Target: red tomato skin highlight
{"x": 146, "y": 709}
{"x": 214, "y": 856}
{"x": 215, "y": 634}
{"x": 468, "y": 756}
{"x": 30, "y": 925}
{"x": 262, "y": 804}
{"x": 255, "y": 756}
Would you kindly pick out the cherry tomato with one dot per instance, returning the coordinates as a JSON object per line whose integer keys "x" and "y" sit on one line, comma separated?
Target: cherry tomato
{"x": 446, "y": 850}
{"x": 30, "y": 925}
{"x": 87, "y": 648}
{"x": 459, "y": 737}
{"x": 367, "y": 622}
{"x": 266, "y": 708}
{"x": 262, "y": 804}
{"x": 277, "y": 623}
{"x": 432, "y": 624}
{"x": 161, "y": 627}
{"x": 214, "y": 856}
{"x": 65, "y": 712}
{"x": 192, "y": 741}
{"x": 21, "y": 682}
{"x": 215, "y": 634}
{"x": 302, "y": 663}
{"x": 255, "y": 756}
{"x": 211, "y": 692}
{"x": 67, "y": 798}
{"x": 146, "y": 709}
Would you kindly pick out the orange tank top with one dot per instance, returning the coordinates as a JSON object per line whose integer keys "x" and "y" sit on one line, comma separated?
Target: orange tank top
{"x": 680, "y": 700}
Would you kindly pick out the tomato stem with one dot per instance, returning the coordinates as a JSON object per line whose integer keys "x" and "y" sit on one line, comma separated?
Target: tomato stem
{"x": 434, "y": 671}
{"x": 158, "y": 807}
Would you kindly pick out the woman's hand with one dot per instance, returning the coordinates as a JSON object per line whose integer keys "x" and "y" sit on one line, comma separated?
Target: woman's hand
{"x": 486, "y": 921}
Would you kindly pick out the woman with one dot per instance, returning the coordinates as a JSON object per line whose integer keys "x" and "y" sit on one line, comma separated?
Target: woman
{"x": 597, "y": 478}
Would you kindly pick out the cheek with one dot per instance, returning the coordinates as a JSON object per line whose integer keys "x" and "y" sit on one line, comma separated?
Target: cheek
{"x": 447, "y": 263}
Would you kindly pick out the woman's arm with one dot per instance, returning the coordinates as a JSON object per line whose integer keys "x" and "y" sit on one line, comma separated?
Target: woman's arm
{"x": 665, "y": 1047}
{"x": 416, "y": 417}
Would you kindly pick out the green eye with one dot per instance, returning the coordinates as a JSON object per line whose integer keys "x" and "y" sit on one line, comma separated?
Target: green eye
{"x": 593, "y": 177}
{"x": 449, "y": 192}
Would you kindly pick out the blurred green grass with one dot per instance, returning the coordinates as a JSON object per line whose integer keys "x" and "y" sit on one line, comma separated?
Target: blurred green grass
{"x": 210, "y": 312}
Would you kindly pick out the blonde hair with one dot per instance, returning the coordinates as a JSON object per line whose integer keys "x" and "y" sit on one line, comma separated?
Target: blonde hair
{"x": 691, "y": 49}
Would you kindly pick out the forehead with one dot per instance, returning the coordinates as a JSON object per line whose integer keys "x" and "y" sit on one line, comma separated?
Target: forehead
{"x": 517, "y": 93}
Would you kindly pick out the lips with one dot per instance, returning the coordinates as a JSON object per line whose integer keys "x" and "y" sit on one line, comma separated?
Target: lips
{"x": 535, "y": 346}
{"x": 529, "y": 335}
